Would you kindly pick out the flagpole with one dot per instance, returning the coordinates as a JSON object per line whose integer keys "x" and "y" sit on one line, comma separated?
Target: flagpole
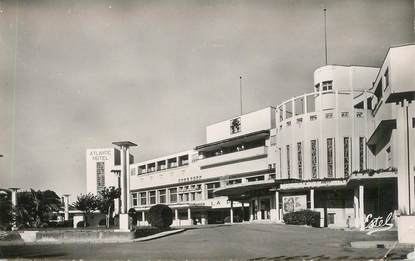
{"x": 240, "y": 91}
{"x": 325, "y": 34}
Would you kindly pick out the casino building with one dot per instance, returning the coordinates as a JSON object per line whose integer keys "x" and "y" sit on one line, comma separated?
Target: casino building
{"x": 345, "y": 149}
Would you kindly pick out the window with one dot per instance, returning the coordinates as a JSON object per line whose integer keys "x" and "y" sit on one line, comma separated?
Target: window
{"x": 314, "y": 159}
{"x": 135, "y": 199}
{"x": 152, "y": 197}
{"x": 317, "y": 86}
{"x": 235, "y": 181}
{"x": 386, "y": 78}
{"x": 359, "y": 114}
{"x": 361, "y": 152}
{"x": 143, "y": 198}
{"x": 235, "y": 125}
{"x": 300, "y": 159}
{"x": 100, "y": 176}
{"x": 211, "y": 187}
{"x": 331, "y": 158}
{"x": 313, "y": 117}
{"x": 173, "y": 195}
{"x": 345, "y": 114}
{"x": 413, "y": 122}
{"x": 256, "y": 178}
{"x": 330, "y": 218}
{"x": 346, "y": 156}
{"x": 329, "y": 115}
{"x": 273, "y": 140}
{"x": 327, "y": 85}
{"x": 288, "y": 161}
{"x": 162, "y": 196}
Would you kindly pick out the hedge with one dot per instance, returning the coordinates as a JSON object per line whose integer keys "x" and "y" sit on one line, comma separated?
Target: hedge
{"x": 303, "y": 217}
{"x": 160, "y": 216}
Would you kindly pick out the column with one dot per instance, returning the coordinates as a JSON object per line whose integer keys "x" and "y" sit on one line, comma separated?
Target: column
{"x": 251, "y": 211}
{"x": 231, "y": 212}
{"x": 258, "y": 212}
{"x": 189, "y": 216}
{"x": 66, "y": 206}
{"x": 143, "y": 216}
{"x": 356, "y": 207}
{"x": 124, "y": 191}
{"x": 14, "y": 205}
{"x": 277, "y": 205}
{"x": 243, "y": 211}
{"x": 312, "y": 199}
{"x": 176, "y": 214}
{"x": 362, "y": 206}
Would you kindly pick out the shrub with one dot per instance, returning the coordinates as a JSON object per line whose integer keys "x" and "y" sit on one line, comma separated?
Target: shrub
{"x": 303, "y": 217}
{"x": 235, "y": 219}
{"x": 82, "y": 224}
{"x": 160, "y": 216}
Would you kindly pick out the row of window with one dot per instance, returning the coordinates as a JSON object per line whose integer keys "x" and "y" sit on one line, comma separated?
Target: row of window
{"x": 331, "y": 157}
{"x": 179, "y": 194}
{"x": 161, "y": 165}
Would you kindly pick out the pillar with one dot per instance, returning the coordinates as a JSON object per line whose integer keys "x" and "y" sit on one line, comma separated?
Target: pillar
{"x": 277, "y": 205}
{"x": 143, "y": 216}
{"x": 356, "y": 207}
{"x": 258, "y": 212}
{"x": 251, "y": 211}
{"x": 124, "y": 191}
{"x": 189, "y": 216}
{"x": 66, "y": 206}
{"x": 14, "y": 205}
{"x": 312, "y": 199}
{"x": 243, "y": 211}
{"x": 231, "y": 212}
{"x": 362, "y": 206}
{"x": 176, "y": 214}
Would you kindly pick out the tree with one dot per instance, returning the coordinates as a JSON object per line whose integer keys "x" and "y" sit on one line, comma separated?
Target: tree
{"x": 106, "y": 201}
{"x": 86, "y": 203}
{"x": 6, "y": 213}
{"x": 160, "y": 216}
{"x": 46, "y": 202}
{"x": 35, "y": 208}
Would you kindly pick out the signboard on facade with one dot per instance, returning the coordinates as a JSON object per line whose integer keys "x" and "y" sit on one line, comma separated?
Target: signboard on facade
{"x": 294, "y": 203}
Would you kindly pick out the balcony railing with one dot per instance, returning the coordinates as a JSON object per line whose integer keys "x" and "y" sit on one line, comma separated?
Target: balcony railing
{"x": 234, "y": 157}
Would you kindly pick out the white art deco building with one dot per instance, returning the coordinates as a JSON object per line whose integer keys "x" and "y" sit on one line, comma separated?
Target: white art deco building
{"x": 346, "y": 149}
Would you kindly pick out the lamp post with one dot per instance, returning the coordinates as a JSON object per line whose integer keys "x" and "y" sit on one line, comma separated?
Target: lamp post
{"x": 125, "y": 184}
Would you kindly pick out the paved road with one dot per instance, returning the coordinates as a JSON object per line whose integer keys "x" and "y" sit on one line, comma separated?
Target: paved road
{"x": 242, "y": 241}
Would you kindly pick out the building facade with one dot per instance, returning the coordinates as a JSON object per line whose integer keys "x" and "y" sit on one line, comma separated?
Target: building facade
{"x": 338, "y": 150}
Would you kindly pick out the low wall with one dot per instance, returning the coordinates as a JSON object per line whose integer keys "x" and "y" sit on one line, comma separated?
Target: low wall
{"x": 84, "y": 235}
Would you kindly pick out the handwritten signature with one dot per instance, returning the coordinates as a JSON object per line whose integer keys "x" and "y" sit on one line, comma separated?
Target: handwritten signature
{"x": 378, "y": 224}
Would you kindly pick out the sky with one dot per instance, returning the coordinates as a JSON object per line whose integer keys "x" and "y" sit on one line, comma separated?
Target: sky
{"x": 78, "y": 74}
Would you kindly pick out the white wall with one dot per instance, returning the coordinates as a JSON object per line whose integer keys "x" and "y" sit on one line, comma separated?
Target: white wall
{"x": 250, "y": 122}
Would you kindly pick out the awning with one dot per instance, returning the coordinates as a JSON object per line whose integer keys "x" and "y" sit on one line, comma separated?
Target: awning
{"x": 314, "y": 184}
{"x": 233, "y": 141}
{"x": 381, "y": 136}
{"x": 237, "y": 190}
{"x": 399, "y": 96}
